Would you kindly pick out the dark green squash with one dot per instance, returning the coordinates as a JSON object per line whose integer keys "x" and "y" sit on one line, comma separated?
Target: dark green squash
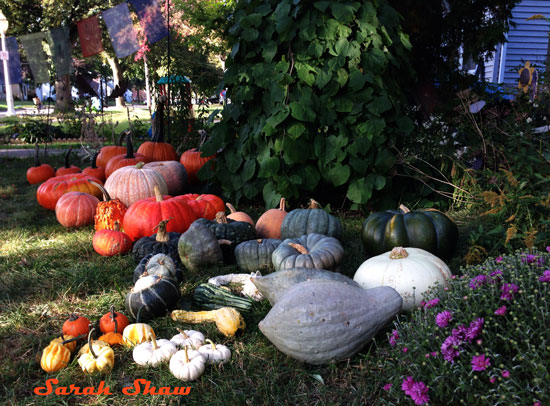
{"x": 428, "y": 229}
{"x": 311, "y": 220}
{"x": 160, "y": 243}
{"x": 212, "y": 297}
{"x": 154, "y": 295}
{"x": 198, "y": 247}
{"x": 254, "y": 255}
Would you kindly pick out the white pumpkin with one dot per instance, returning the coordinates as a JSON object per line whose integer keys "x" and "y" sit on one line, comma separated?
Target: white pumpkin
{"x": 410, "y": 271}
{"x": 215, "y": 354}
{"x": 190, "y": 338}
{"x": 187, "y": 365}
{"x": 154, "y": 352}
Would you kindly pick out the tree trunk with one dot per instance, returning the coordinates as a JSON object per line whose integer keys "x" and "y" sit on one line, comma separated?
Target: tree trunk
{"x": 63, "y": 99}
{"x": 117, "y": 78}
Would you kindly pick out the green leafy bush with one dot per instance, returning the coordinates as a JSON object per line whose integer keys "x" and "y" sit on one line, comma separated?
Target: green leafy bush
{"x": 315, "y": 90}
{"x": 483, "y": 341}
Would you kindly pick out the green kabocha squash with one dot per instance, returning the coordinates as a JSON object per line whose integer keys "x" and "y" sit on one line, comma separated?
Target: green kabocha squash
{"x": 274, "y": 286}
{"x": 160, "y": 243}
{"x": 254, "y": 255}
{"x": 211, "y": 297}
{"x": 311, "y": 220}
{"x": 309, "y": 251}
{"x": 152, "y": 296}
{"x": 427, "y": 229}
{"x": 159, "y": 265}
{"x": 230, "y": 232}
{"x": 198, "y": 247}
{"x": 318, "y": 321}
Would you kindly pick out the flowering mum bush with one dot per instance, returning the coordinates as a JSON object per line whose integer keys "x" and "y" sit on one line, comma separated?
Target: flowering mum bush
{"x": 483, "y": 341}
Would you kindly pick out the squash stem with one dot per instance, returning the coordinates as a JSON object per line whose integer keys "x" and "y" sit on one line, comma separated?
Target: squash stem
{"x": 158, "y": 195}
{"x": 211, "y": 344}
{"x": 90, "y": 341}
{"x": 186, "y": 355}
{"x": 154, "y": 341}
{"x": 298, "y": 247}
{"x": 162, "y": 235}
{"x": 221, "y": 217}
{"x": 231, "y": 208}
{"x": 282, "y": 204}
{"x": 398, "y": 253}
{"x": 404, "y": 209}
{"x": 182, "y": 332}
{"x": 106, "y": 196}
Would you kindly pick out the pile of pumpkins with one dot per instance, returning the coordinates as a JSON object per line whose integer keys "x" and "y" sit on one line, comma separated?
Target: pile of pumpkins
{"x": 186, "y": 352}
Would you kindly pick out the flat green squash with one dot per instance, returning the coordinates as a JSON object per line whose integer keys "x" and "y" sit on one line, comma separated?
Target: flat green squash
{"x": 319, "y": 321}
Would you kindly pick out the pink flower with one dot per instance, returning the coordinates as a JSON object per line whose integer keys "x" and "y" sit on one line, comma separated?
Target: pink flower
{"x": 419, "y": 393}
{"x": 505, "y": 374}
{"x": 450, "y": 349}
{"x": 474, "y": 329}
{"x": 492, "y": 379}
{"x": 480, "y": 362}
{"x": 498, "y": 259}
{"x": 431, "y": 303}
{"x": 548, "y": 248}
{"x": 477, "y": 281}
{"x": 407, "y": 384}
{"x": 405, "y": 349}
{"x": 528, "y": 259}
{"x": 501, "y": 311}
{"x": 545, "y": 276}
{"x": 393, "y": 338}
{"x": 442, "y": 319}
{"x": 387, "y": 387}
{"x": 538, "y": 403}
{"x": 433, "y": 354}
{"x": 508, "y": 291}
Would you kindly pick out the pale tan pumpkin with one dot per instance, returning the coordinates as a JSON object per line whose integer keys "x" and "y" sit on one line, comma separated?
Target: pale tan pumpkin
{"x": 133, "y": 183}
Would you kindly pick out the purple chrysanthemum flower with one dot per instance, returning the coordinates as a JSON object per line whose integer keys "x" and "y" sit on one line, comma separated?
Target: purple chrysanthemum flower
{"x": 442, "y": 319}
{"x": 387, "y": 387}
{"x": 460, "y": 332}
{"x": 450, "y": 349}
{"x": 419, "y": 393}
{"x": 499, "y": 259}
{"x": 545, "y": 276}
{"x": 528, "y": 259}
{"x": 541, "y": 261}
{"x": 407, "y": 385}
{"x": 508, "y": 291}
{"x": 474, "y": 329}
{"x": 431, "y": 303}
{"x": 477, "y": 281}
{"x": 501, "y": 311}
{"x": 480, "y": 362}
{"x": 548, "y": 248}
{"x": 505, "y": 374}
{"x": 495, "y": 277}
{"x": 393, "y": 338}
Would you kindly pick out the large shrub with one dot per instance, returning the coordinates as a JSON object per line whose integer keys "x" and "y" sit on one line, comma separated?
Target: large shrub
{"x": 315, "y": 89}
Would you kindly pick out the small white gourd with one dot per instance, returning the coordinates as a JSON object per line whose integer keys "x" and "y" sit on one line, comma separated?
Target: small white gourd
{"x": 190, "y": 338}
{"x": 187, "y": 365}
{"x": 154, "y": 352}
{"x": 215, "y": 353}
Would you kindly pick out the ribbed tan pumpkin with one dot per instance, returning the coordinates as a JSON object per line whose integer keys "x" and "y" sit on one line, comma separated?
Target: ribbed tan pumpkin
{"x": 174, "y": 175}
{"x": 133, "y": 183}
{"x": 269, "y": 223}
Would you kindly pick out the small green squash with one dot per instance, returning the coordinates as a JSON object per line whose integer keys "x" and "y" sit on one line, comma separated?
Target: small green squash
{"x": 274, "y": 286}
{"x": 427, "y": 229}
{"x": 160, "y": 265}
{"x": 152, "y": 296}
{"x": 211, "y": 297}
{"x": 198, "y": 247}
{"x": 254, "y": 255}
{"x": 311, "y": 220}
{"x": 309, "y": 251}
{"x": 319, "y": 321}
{"x": 162, "y": 242}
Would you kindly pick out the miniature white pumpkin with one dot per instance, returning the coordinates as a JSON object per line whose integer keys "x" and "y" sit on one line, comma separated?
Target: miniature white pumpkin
{"x": 215, "y": 354}
{"x": 187, "y": 365}
{"x": 410, "y": 271}
{"x": 191, "y": 338}
{"x": 154, "y": 352}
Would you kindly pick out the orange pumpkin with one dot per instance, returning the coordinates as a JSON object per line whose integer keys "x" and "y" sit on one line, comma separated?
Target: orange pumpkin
{"x": 108, "y": 242}
{"x": 205, "y": 205}
{"x": 106, "y": 153}
{"x": 113, "y": 321}
{"x": 39, "y": 172}
{"x": 193, "y": 162}
{"x": 269, "y": 224}
{"x": 94, "y": 170}
{"x": 49, "y": 192}
{"x": 76, "y": 209}
{"x": 76, "y": 325}
{"x": 238, "y": 215}
{"x": 67, "y": 169}
{"x": 128, "y": 159}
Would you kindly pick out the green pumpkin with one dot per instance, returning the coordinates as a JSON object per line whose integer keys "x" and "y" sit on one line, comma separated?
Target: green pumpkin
{"x": 255, "y": 255}
{"x": 160, "y": 243}
{"x": 198, "y": 247}
{"x": 152, "y": 296}
{"x": 311, "y": 220}
{"x": 309, "y": 251}
{"x": 427, "y": 229}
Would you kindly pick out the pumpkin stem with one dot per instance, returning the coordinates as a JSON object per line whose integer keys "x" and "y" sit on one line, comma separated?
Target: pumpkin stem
{"x": 282, "y": 204}
{"x": 158, "y": 122}
{"x": 211, "y": 343}
{"x": 186, "y": 355}
{"x": 298, "y": 247}
{"x": 67, "y": 157}
{"x": 90, "y": 342}
{"x": 182, "y": 332}
{"x": 116, "y": 325}
{"x": 116, "y": 226}
{"x": 129, "y": 146}
{"x": 221, "y": 217}
{"x": 398, "y": 253}
{"x": 70, "y": 340}
{"x": 313, "y": 204}
{"x": 231, "y": 208}
{"x": 224, "y": 242}
{"x": 259, "y": 240}
{"x": 118, "y": 141}
{"x": 404, "y": 209}
{"x": 113, "y": 314}
{"x": 162, "y": 235}
{"x": 139, "y": 165}
{"x": 73, "y": 317}
{"x": 106, "y": 196}
{"x": 94, "y": 160}
{"x": 154, "y": 341}
{"x": 36, "y": 161}
{"x": 158, "y": 195}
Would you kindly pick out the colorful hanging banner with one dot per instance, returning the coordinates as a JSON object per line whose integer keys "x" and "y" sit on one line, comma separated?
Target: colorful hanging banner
{"x": 151, "y": 19}
{"x": 14, "y": 62}
{"x": 60, "y": 46}
{"x": 120, "y": 28}
{"x": 38, "y": 61}
{"x": 89, "y": 34}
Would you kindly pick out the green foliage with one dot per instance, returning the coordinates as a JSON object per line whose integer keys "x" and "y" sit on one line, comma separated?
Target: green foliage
{"x": 315, "y": 91}
{"x": 495, "y": 310}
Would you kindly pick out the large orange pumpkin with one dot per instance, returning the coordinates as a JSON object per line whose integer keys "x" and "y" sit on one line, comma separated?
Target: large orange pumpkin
{"x": 204, "y": 206}
{"x": 133, "y": 183}
{"x": 128, "y": 159}
{"x": 143, "y": 216}
{"x": 106, "y": 153}
{"x": 68, "y": 168}
{"x": 157, "y": 149}
{"x": 76, "y": 209}
{"x": 174, "y": 175}
{"x": 50, "y": 191}
{"x": 94, "y": 170}
{"x": 193, "y": 162}
{"x": 39, "y": 172}
{"x": 269, "y": 224}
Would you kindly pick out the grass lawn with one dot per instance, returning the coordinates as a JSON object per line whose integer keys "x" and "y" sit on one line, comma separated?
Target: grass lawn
{"x": 48, "y": 272}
